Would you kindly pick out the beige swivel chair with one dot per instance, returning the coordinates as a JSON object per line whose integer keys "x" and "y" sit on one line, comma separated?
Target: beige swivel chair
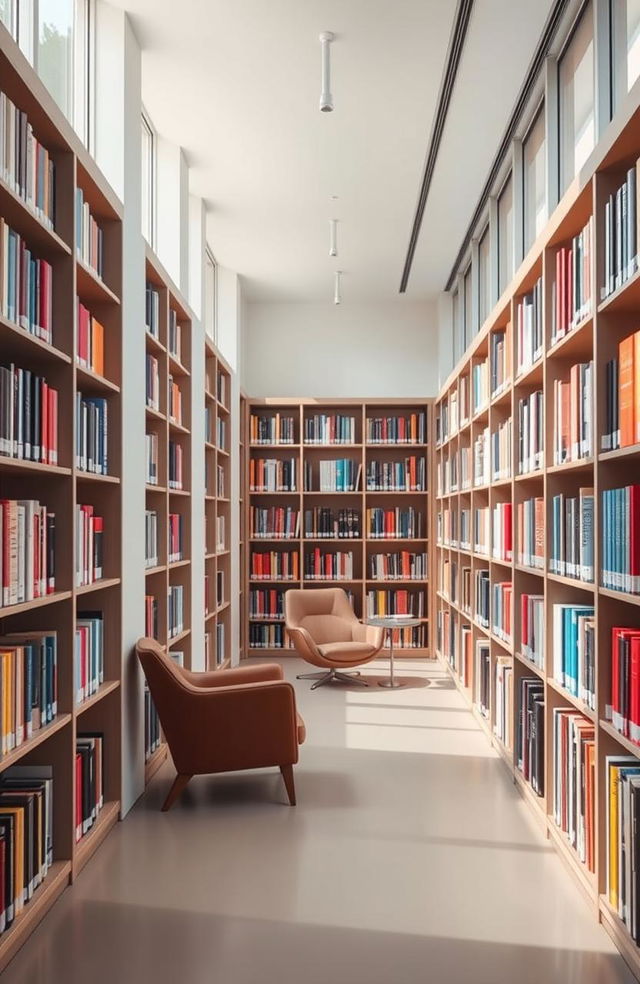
{"x": 326, "y": 633}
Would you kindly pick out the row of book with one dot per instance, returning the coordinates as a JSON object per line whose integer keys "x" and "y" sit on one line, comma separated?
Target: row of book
{"x": 89, "y": 546}
{"x": 152, "y": 731}
{"x": 502, "y": 726}
{"x": 89, "y": 654}
{"x": 573, "y": 415}
{"x": 620, "y": 542}
{"x": 271, "y": 429}
{"x": 483, "y": 597}
{"x": 529, "y": 328}
{"x": 266, "y": 603}
{"x": 175, "y": 610}
{"x": 221, "y": 387}
{"x": 623, "y": 710}
{"x": 502, "y": 531}
{"x": 572, "y": 529}
{"x": 482, "y": 531}
{"x": 175, "y": 401}
{"x": 275, "y": 565}
{"x": 572, "y": 292}
{"x": 89, "y": 235}
{"x": 92, "y": 434}
{"x": 152, "y": 310}
{"x": 175, "y": 528}
{"x": 404, "y": 565}
{"x": 89, "y": 341}
{"x": 395, "y": 523}
{"x": 321, "y": 566}
{"x": 395, "y": 601}
{"x": 482, "y": 674}
{"x": 448, "y": 579}
{"x": 275, "y": 523}
{"x": 29, "y": 685}
{"x": 622, "y": 789}
{"x": 272, "y": 475}
{"x": 151, "y": 616}
{"x": 175, "y": 336}
{"x": 322, "y": 521}
{"x": 532, "y": 628}
{"x": 337, "y": 475}
{"x": 89, "y": 781}
{"x": 151, "y": 557}
{"x": 620, "y": 234}
{"x": 27, "y": 550}
{"x": 152, "y": 382}
{"x": 26, "y": 165}
{"x": 409, "y": 475}
{"x": 271, "y": 636}
{"x": 499, "y": 361}
{"x": 221, "y": 535}
{"x": 529, "y": 751}
{"x": 221, "y": 433}
{"x": 329, "y": 428}
{"x": 622, "y": 396}
{"x": 530, "y": 447}
{"x": 574, "y": 650}
{"x": 501, "y": 613}
{"x": 175, "y": 462}
{"x": 151, "y": 458}
{"x": 26, "y": 286}
{"x": 530, "y": 522}
{"x": 574, "y": 781}
{"x": 28, "y": 416}
{"x": 480, "y": 383}
{"x": 481, "y": 460}
{"x": 501, "y": 446}
{"x": 397, "y": 430}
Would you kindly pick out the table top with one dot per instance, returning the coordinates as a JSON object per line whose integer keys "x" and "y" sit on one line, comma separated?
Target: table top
{"x": 393, "y": 621}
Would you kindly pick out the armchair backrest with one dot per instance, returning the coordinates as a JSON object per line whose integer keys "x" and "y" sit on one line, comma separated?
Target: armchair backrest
{"x": 168, "y": 688}
{"x": 325, "y": 613}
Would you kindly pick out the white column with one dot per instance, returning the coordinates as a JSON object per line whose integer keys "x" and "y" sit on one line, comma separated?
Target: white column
{"x": 197, "y": 241}
{"x": 172, "y": 240}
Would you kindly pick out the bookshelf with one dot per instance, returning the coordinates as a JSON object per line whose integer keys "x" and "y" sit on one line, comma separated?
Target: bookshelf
{"x": 217, "y": 509}
{"x": 570, "y": 461}
{"x": 279, "y": 432}
{"x": 74, "y": 480}
{"x": 168, "y": 340}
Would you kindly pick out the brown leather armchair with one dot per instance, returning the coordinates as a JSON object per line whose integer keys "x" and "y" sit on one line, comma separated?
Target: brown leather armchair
{"x": 223, "y": 721}
{"x": 325, "y": 631}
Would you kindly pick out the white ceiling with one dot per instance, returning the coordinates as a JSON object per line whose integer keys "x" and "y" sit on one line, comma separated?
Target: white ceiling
{"x": 237, "y": 83}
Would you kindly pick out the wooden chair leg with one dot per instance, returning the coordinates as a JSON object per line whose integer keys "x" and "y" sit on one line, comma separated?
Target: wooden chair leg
{"x": 287, "y": 775}
{"x": 179, "y": 784}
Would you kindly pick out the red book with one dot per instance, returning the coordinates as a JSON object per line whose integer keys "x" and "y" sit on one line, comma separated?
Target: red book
{"x": 507, "y": 532}
{"x": 634, "y": 688}
{"x": 634, "y": 538}
{"x": 569, "y": 289}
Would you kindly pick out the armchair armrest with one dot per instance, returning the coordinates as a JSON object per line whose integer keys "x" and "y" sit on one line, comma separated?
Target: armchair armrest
{"x": 305, "y": 645}
{"x": 373, "y": 634}
{"x": 260, "y": 673}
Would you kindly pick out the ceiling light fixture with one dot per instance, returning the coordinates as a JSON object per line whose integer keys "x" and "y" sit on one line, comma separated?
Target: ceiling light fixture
{"x": 326, "y": 99}
{"x": 333, "y": 237}
{"x": 337, "y": 297}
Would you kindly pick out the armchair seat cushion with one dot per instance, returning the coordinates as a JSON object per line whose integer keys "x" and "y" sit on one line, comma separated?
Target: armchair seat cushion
{"x": 302, "y": 730}
{"x": 346, "y": 652}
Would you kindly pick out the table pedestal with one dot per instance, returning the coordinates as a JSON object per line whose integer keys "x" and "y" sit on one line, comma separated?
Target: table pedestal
{"x": 391, "y": 683}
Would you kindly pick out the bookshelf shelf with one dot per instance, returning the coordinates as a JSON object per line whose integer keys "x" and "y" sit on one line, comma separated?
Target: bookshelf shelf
{"x": 21, "y": 344}
{"x": 106, "y": 582}
{"x": 91, "y": 287}
{"x": 92, "y": 380}
{"x": 572, "y": 582}
{"x": 571, "y": 699}
{"x": 157, "y": 759}
{"x": 103, "y": 690}
{"x": 630, "y": 452}
{"x": 21, "y": 218}
{"x": 41, "y": 735}
{"x": 54, "y": 884}
{"x": 26, "y": 606}
{"x": 89, "y": 844}
{"x": 621, "y": 739}
{"x": 22, "y": 465}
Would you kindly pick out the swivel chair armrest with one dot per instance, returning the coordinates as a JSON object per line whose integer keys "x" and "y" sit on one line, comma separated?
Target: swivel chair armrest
{"x": 305, "y": 645}
{"x": 239, "y": 675}
{"x": 373, "y": 634}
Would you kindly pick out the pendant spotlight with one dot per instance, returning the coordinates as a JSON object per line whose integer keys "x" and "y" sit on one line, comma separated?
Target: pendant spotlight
{"x": 326, "y": 99}
{"x": 337, "y": 297}
{"x": 333, "y": 237}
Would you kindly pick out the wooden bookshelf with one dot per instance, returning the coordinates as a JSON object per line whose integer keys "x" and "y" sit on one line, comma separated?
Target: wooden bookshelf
{"x": 217, "y": 508}
{"x": 595, "y": 337}
{"x": 65, "y": 486}
{"x": 307, "y": 456}
{"x": 168, "y": 419}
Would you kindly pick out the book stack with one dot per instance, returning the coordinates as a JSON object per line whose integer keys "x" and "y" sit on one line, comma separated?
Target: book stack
{"x": 574, "y": 785}
{"x": 532, "y": 628}
{"x": 409, "y": 637}
{"x": 480, "y": 385}
{"x": 396, "y": 476}
{"x": 482, "y": 677}
{"x": 92, "y": 434}
{"x": 25, "y": 164}
{"x": 150, "y": 538}
{"x": 400, "y": 566}
{"x": 89, "y": 654}
{"x": 499, "y": 361}
{"x": 334, "y": 475}
{"x": 151, "y": 610}
{"x": 176, "y": 457}
{"x": 272, "y": 474}
{"x": 620, "y": 234}
{"x": 529, "y": 328}
{"x": 530, "y": 433}
{"x": 622, "y": 396}
{"x": 90, "y": 341}
{"x": 152, "y": 737}
{"x": 395, "y": 601}
{"x": 400, "y": 524}
{"x": 624, "y": 709}
{"x": 152, "y": 310}
{"x": 530, "y": 732}
{"x": 275, "y": 565}
{"x": 325, "y": 523}
{"x": 26, "y": 290}
{"x": 573, "y": 415}
{"x": 502, "y": 531}
{"x": 28, "y": 416}
{"x": 481, "y": 530}
{"x": 271, "y": 429}
{"x": 483, "y": 598}
{"x": 502, "y": 596}
{"x": 27, "y": 550}
{"x": 153, "y": 382}
{"x": 89, "y": 545}
{"x": 89, "y": 235}
{"x": 151, "y": 457}
{"x": 26, "y": 836}
{"x": 574, "y": 641}
{"x": 571, "y": 292}
{"x": 465, "y": 529}
{"x": 321, "y": 566}
{"x": 481, "y": 458}
{"x": 501, "y": 445}
{"x": 268, "y": 637}
{"x": 176, "y": 537}
{"x": 409, "y": 429}
{"x": 329, "y": 428}
{"x": 89, "y": 781}
{"x": 266, "y": 603}
{"x": 504, "y": 700}
{"x": 622, "y": 779}
{"x": 274, "y": 523}
{"x": 29, "y": 668}
{"x": 530, "y": 532}
{"x": 175, "y": 336}
{"x": 175, "y": 610}
{"x": 175, "y": 401}
{"x": 620, "y": 557}
{"x": 572, "y": 535}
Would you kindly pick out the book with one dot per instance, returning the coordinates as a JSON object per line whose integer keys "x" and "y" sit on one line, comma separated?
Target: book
{"x": 89, "y": 781}
{"x": 89, "y": 235}
{"x": 27, "y": 550}
{"x": 501, "y": 610}
{"x": 501, "y": 448}
{"x": 151, "y": 459}
{"x": 330, "y": 428}
{"x": 623, "y": 709}
{"x": 89, "y": 341}
{"x": 529, "y": 751}
{"x": 89, "y": 558}
{"x": 28, "y": 416}
{"x": 395, "y": 601}
{"x": 502, "y": 531}
{"x": 573, "y": 415}
{"x": 26, "y": 165}
{"x": 273, "y": 475}
{"x": 482, "y": 675}
{"x": 89, "y": 654}
{"x": 266, "y": 603}
{"x": 274, "y": 522}
{"x": 26, "y": 285}
{"x": 175, "y": 610}
{"x": 29, "y": 679}
{"x": 268, "y": 637}
{"x": 401, "y": 565}
{"x": 408, "y": 428}
{"x": 176, "y": 525}
{"x": 151, "y": 556}
{"x": 572, "y": 526}
{"x": 620, "y": 234}
{"x": 499, "y": 363}
{"x": 408, "y": 475}
{"x": 482, "y": 597}
{"x": 620, "y": 539}
{"x": 530, "y": 524}
{"x": 532, "y": 628}
{"x": 175, "y": 461}
{"x": 272, "y": 428}
{"x": 92, "y": 434}
{"x": 274, "y": 565}
{"x": 574, "y": 647}
{"x": 395, "y": 523}
{"x": 481, "y": 461}
{"x": 322, "y": 565}
{"x": 574, "y": 781}
{"x": 152, "y": 310}
{"x": 530, "y": 443}
{"x": 529, "y": 328}
{"x": 572, "y": 293}
{"x": 503, "y": 688}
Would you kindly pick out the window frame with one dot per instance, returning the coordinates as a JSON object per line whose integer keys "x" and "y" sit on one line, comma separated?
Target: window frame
{"x": 538, "y": 115}
{"x": 210, "y": 304}
{"x": 152, "y": 178}
{"x": 508, "y": 180}
{"x": 585, "y": 7}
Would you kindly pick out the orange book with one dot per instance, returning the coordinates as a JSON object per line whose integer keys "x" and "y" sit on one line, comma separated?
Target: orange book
{"x": 97, "y": 346}
{"x": 636, "y": 386}
{"x": 626, "y": 391}
{"x": 565, "y": 421}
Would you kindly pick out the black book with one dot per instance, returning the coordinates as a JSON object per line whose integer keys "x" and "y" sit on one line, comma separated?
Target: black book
{"x": 7, "y": 831}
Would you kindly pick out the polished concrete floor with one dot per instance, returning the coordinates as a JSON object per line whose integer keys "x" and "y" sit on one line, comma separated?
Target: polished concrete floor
{"x": 410, "y": 858}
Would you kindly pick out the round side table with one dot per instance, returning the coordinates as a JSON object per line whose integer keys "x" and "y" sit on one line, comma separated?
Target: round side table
{"x": 391, "y": 622}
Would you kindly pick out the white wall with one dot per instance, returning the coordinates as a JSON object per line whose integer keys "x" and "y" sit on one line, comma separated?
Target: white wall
{"x": 386, "y": 349}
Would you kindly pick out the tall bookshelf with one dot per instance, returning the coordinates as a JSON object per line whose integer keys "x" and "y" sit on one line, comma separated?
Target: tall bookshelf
{"x": 168, "y": 340}
{"x": 597, "y": 331}
{"x": 356, "y": 575}
{"x": 217, "y": 507}
{"x": 67, "y": 485}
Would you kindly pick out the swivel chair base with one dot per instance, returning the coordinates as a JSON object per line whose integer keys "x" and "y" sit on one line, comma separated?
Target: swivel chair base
{"x": 332, "y": 676}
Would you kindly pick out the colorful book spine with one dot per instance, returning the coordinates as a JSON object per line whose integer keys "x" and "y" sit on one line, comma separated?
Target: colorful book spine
{"x": 409, "y": 429}
{"x": 273, "y": 475}
{"x": 620, "y": 539}
{"x": 272, "y": 428}
{"x": 532, "y": 628}
{"x": 26, "y": 286}
{"x": 529, "y": 328}
{"x": 325, "y": 523}
{"x": 530, "y": 732}
{"x": 572, "y": 527}
{"x": 574, "y": 650}
{"x": 574, "y": 781}
{"x": 27, "y": 550}
{"x": 28, "y": 416}
{"x": 275, "y": 565}
{"x": 89, "y": 235}
{"x": 330, "y": 428}
{"x": 530, "y": 532}
{"x": 572, "y": 293}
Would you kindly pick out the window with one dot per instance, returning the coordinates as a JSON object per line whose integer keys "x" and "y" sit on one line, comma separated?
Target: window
{"x": 535, "y": 180}
{"x": 456, "y": 334}
{"x": 8, "y": 17}
{"x": 56, "y": 50}
{"x": 468, "y": 310}
{"x": 505, "y": 235}
{"x": 484, "y": 276}
{"x": 84, "y": 72}
{"x": 148, "y": 157}
{"x": 626, "y": 45}
{"x": 210, "y": 295}
{"x": 576, "y": 87}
